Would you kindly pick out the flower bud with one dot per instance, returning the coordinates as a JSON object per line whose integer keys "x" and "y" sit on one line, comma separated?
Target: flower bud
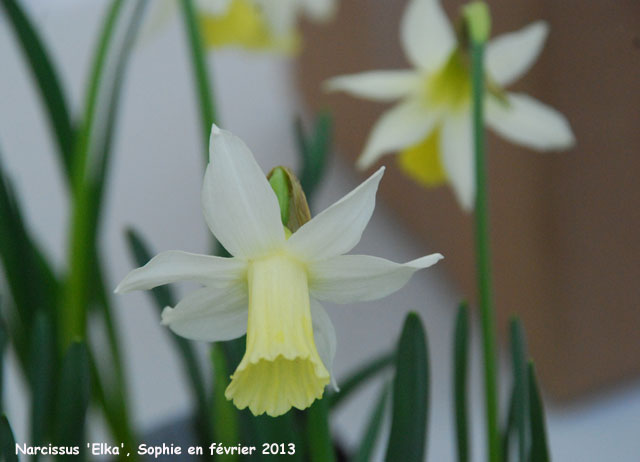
{"x": 294, "y": 210}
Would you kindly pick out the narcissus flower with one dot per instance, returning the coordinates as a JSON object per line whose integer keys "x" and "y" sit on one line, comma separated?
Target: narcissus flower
{"x": 259, "y": 24}
{"x": 270, "y": 287}
{"x": 431, "y": 125}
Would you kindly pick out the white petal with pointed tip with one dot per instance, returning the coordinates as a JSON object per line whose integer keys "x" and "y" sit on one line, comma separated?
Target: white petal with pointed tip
{"x": 175, "y": 265}
{"x": 511, "y": 55}
{"x": 210, "y": 315}
{"x": 426, "y": 33}
{"x": 402, "y": 126}
{"x": 339, "y": 228}
{"x": 527, "y": 121}
{"x": 456, "y": 146}
{"x": 324, "y": 336}
{"x": 352, "y": 278}
{"x": 377, "y": 85}
{"x": 238, "y": 203}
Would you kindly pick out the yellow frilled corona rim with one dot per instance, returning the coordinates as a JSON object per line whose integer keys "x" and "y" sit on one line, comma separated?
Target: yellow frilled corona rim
{"x": 281, "y": 367}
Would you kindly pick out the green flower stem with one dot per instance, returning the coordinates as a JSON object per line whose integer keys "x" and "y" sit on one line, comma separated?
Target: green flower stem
{"x": 205, "y": 93}
{"x": 483, "y": 253}
{"x": 318, "y": 433}
{"x": 73, "y": 314}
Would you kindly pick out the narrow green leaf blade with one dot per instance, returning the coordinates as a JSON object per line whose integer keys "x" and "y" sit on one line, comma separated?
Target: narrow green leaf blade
{"x": 42, "y": 363}
{"x": 46, "y": 79}
{"x": 460, "y": 373}
{"x": 224, "y": 415}
{"x": 408, "y": 437}
{"x": 73, "y": 397}
{"x": 539, "y": 445}
{"x": 521, "y": 387}
{"x": 31, "y": 281}
{"x": 510, "y": 425}
{"x": 3, "y": 346}
{"x": 360, "y": 377}
{"x": 370, "y": 437}
{"x": 314, "y": 150}
{"x": 318, "y": 433}
{"x": 7, "y": 441}
{"x": 99, "y": 60}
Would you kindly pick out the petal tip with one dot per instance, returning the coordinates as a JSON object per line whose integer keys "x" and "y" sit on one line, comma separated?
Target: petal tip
{"x": 165, "y": 317}
{"x": 120, "y": 289}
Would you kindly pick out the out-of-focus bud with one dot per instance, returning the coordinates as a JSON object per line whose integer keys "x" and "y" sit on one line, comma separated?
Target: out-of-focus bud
{"x": 477, "y": 20}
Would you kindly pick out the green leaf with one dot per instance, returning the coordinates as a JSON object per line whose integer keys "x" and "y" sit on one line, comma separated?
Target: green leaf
{"x": 539, "y": 445}
{"x": 7, "y": 441}
{"x": 163, "y": 297}
{"x": 100, "y": 54}
{"x": 359, "y": 378}
{"x": 370, "y": 437}
{"x": 407, "y": 439}
{"x": 314, "y": 150}
{"x": 224, "y": 415}
{"x": 521, "y": 387}
{"x": 46, "y": 78}
{"x": 460, "y": 373}
{"x": 3, "y": 346}
{"x": 318, "y": 433}
{"x": 73, "y": 397}
{"x": 30, "y": 278}
{"x": 204, "y": 92}
{"x": 510, "y": 425}
{"x": 43, "y": 364}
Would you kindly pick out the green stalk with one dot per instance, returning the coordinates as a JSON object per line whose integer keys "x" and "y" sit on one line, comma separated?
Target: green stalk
{"x": 483, "y": 253}
{"x": 318, "y": 433}
{"x": 73, "y": 313}
{"x": 204, "y": 93}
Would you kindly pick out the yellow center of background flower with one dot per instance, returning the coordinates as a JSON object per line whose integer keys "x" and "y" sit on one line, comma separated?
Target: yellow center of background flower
{"x": 422, "y": 163}
{"x": 281, "y": 367}
{"x": 450, "y": 87}
{"x": 244, "y": 25}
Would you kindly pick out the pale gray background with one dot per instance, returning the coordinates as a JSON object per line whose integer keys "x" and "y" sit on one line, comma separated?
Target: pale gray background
{"x": 155, "y": 186}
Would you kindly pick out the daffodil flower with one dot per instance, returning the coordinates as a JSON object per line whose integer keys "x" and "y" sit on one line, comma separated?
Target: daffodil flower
{"x": 431, "y": 125}
{"x": 259, "y": 24}
{"x": 270, "y": 288}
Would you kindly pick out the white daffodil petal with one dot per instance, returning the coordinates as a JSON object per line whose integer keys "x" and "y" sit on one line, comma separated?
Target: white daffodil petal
{"x": 238, "y": 203}
{"x": 353, "y": 278}
{"x": 404, "y": 125}
{"x": 210, "y": 315}
{"x": 456, "y": 145}
{"x": 527, "y": 121}
{"x": 175, "y": 265}
{"x": 377, "y": 85}
{"x": 214, "y": 7}
{"x": 324, "y": 336}
{"x": 280, "y": 15}
{"x": 426, "y": 33}
{"x": 339, "y": 228}
{"x": 319, "y": 10}
{"x": 510, "y": 56}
